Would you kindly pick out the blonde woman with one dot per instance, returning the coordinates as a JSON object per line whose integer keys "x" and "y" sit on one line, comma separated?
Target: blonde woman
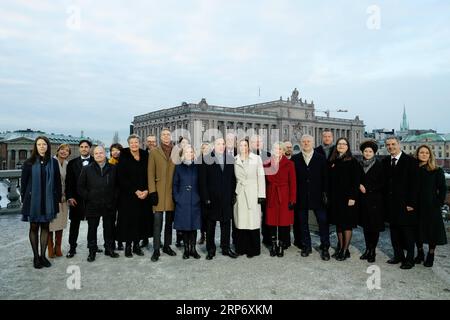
{"x": 251, "y": 192}
{"x": 432, "y": 193}
{"x": 60, "y": 222}
{"x": 185, "y": 190}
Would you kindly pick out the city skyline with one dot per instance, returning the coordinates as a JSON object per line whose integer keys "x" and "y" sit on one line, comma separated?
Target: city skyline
{"x": 91, "y": 66}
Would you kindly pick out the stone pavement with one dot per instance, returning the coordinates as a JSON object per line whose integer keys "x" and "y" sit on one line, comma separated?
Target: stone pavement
{"x": 263, "y": 277}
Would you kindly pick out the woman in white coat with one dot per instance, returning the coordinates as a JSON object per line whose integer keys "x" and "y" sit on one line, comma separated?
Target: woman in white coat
{"x": 250, "y": 193}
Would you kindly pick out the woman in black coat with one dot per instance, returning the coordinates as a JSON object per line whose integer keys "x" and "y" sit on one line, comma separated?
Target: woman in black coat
{"x": 371, "y": 206}
{"x": 344, "y": 177}
{"x": 41, "y": 192}
{"x": 432, "y": 193}
{"x": 133, "y": 205}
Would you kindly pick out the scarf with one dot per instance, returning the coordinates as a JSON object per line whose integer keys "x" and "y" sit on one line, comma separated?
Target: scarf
{"x": 307, "y": 157}
{"x": 368, "y": 164}
{"x": 327, "y": 150}
{"x": 167, "y": 149}
{"x": 36, "y": 189}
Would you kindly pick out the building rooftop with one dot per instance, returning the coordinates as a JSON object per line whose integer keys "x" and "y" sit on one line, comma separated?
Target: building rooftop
{"x": 427, "y": 137}
{"x": 32, "y": 135}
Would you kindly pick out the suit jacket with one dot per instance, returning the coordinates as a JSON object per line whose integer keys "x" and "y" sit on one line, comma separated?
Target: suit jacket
{"x": 401, "y": 190}
{"x": 312, "y": 181}
{"x": 218, "y": 187}
{"x": 74, "y": 168}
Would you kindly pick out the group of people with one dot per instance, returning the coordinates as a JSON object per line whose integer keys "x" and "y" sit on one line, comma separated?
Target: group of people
{"x": 250, "y": 191}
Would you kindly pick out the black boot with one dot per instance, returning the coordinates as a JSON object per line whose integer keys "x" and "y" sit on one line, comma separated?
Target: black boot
{"x": 137, "y": 249}
{"x": 144, "y": 243}
{"x": 420, "y": 256}
{"x": 186, "y": 250}
{"x": 128, "y": 253}
{"x": 429, "y": 261}
{"x": 91, "y": 257}
{"x": 111, "y": 253}
{"x": 371, "y": 256}
{"x": 168, "y": 250}
{"x": 193, "y": 252}
{"x": 365, "y": 255}
{"x": 273, "y": 249}
{"x": 336, "y": 251}
{"x": 280, "y": 250}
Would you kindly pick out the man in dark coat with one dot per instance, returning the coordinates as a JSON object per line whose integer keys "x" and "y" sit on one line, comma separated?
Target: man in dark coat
{"x": 401, "y": 201}
{"x": 97, "y": 186}
{"x": 327, "y": 147}
{"x": 217, "y": 191}
{"x": 76, "y": 203}
{"x": 257, "y": 147}
{"x": 311, "y": 172}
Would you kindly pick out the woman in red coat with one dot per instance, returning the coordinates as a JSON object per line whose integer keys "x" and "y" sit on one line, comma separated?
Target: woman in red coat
{"x": 281, "y": 198}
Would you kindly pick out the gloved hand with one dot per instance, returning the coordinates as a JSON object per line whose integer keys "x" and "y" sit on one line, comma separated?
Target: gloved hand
{"x": 208, "y": 204}
{"x": 291, "y": 206}
{"x": 153, "y": 198}
{"x": 261, "y": 200}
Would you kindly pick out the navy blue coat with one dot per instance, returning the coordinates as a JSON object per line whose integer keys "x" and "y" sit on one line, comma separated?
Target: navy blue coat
{"x": 187, "y": 198}
{"x": 312, "y": 181}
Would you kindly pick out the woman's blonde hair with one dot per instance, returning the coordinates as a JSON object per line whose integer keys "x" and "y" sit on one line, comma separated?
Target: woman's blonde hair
{"x": 431, "y": 164}
{"x": 62, "y": 146}
{"x": 188, "y": 146}
{"x": 281, "y": 145}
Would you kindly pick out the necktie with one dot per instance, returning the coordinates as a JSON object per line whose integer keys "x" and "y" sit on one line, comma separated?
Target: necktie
{"x": 393, "y": 162}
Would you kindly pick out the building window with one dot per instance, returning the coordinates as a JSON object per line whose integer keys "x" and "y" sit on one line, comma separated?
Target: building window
{"x": 22, "y": 155}
{"x": 440, "y": 154}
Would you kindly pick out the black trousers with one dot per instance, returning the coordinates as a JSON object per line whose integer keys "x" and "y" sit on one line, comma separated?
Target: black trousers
{"x": 157, "y": 229}
{"x": 108, "y": 231}
{"x": 225, "y": 234}
{"x": 74, "y": 231}
{"x": 248, "y": 242}
{"x": 403, "y": 238}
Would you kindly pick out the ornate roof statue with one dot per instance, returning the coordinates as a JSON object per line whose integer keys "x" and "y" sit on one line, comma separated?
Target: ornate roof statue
{"x": 203, "y": 104}
{"x": 294, "y": 96}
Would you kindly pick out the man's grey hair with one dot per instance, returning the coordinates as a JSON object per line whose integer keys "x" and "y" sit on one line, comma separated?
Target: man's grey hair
{"x": 392, "y": 138}
{"x": 133, "y": 136}
{"x": 307, "y": 136}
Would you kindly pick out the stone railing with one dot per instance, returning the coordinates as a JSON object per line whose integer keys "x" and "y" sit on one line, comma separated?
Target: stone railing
{"x": 11, "y": 180}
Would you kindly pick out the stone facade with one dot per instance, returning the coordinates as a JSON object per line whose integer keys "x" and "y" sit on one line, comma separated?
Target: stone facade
{"x": 290, "y": 119}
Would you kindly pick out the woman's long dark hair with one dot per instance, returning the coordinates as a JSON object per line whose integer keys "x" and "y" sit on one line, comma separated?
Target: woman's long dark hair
{"x": 35, "y": 154}
{"x": 347, "y": 156}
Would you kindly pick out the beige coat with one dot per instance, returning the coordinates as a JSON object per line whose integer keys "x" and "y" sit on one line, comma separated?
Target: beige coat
{"x": 60, "y": 222}
{"x": 160, "y": 179}
{"x": 250, "y": 185}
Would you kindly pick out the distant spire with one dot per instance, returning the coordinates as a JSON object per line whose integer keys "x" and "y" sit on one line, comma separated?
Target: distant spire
{"x": 404, "y": 125}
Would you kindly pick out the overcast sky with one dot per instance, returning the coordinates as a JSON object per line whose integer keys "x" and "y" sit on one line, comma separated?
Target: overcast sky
{"x": 67, "y": 66}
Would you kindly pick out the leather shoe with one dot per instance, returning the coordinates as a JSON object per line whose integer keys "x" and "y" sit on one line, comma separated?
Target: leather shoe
{"x": 37, "y": 263}
{"x": 394, "y": 260}
{"x": 168, "y": 250}
{"x": 45, "y": 262}
{"x": 324, "y": 254}
{"x": 229, "y": 253}
{"x": 138, "y": 251}
{"x": 306, "y": 252}
{"x": 111, "y": 253}
{"x": 91, "y": 257}
{"x": 406, "y": 265}
{"x": 155, "y": 255}
{"x": 71, "y": 253}
{"x": 365, "y": 255}
{"x": 210, "y": 256}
